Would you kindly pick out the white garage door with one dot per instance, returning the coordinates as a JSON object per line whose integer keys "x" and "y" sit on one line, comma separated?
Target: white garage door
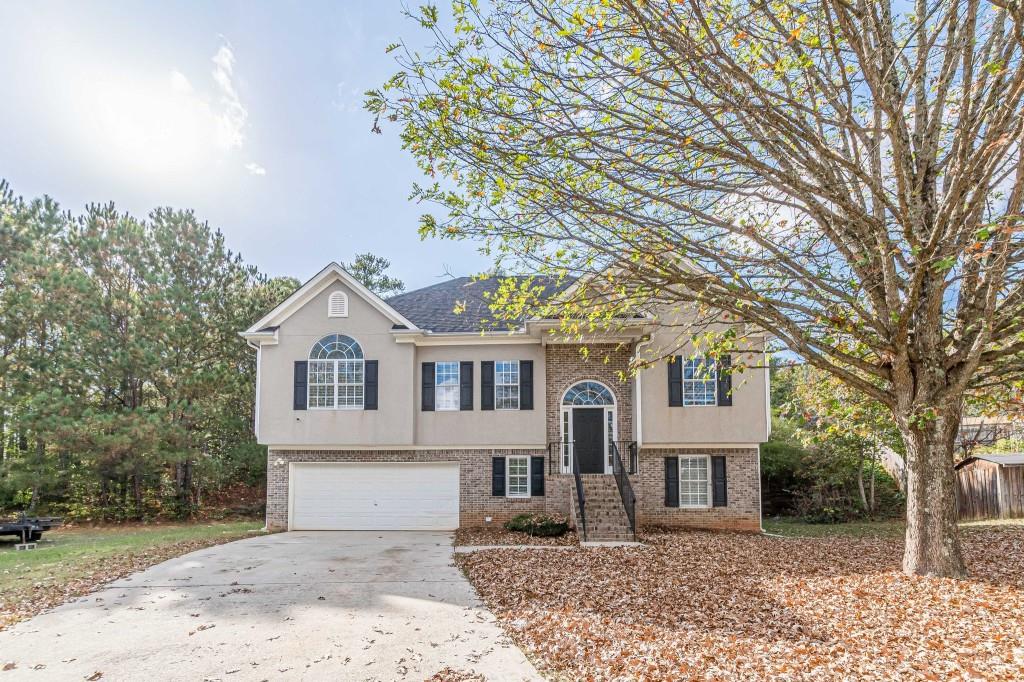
{"x": 379, "y": 496}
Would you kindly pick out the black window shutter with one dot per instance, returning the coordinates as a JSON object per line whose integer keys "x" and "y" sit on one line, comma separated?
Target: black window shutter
{"x": 301, "y": 377}
{"x": 487, "y": 385}
{"x": 537, "y": 477}
{"x": 498, "y": 476}
{"x": 427, "y": 404}
{"x": 724, "y": 381}
{"x": 465, "y": 385}
{"x": 719, "y": 483}
{"x": 526, "y": 384}
{"x": 671, "y": 481}
{"x": 370, "y": 385}
{"x": 675, "y": 382}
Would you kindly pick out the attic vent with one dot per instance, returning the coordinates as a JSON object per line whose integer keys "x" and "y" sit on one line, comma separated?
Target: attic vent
{"x": 337, "y": 305}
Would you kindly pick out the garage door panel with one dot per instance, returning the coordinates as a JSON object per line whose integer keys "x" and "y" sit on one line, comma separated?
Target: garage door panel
{"x": 374, "y": 496}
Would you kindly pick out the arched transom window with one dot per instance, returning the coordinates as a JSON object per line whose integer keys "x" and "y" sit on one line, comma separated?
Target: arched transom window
{"x": 588, "y": 393}
{"x": 336, "y": 374}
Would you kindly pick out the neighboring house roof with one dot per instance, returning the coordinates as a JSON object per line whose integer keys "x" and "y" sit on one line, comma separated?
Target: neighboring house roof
{"x": 997, "y": 419}
{"x": 1015, "y": 459}
{"x": 460, "y": 305}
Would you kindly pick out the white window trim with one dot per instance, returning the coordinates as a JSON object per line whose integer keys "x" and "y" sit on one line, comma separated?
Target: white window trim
{"x": 337, "y": 385}
{"x": 518, "y": 385}
{"x": 458, "y": 386}
{"x": 508, "y": 476}
{"x": 713, "y": 377}
{"x": 679, "y": 482}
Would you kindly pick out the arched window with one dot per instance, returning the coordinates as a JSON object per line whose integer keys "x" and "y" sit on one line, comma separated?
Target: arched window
{"x": 337, "y": 304}
{"x": 588, "y": 393}
{"x": 336, "y": 374}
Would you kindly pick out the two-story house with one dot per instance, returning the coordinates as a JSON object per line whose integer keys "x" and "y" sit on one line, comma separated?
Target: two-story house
{"x": 405, "y": 414}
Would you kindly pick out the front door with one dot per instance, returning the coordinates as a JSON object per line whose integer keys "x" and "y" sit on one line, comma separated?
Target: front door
{"x": 588, "y": 436}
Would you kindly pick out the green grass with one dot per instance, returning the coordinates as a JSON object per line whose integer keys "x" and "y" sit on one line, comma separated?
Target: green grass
{"x": 893, "y": 528}
{"x": 64, "y": 555}
{"x": 855, "y": 529}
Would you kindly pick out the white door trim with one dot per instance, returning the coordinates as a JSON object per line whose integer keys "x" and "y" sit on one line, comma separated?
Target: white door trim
{"x": 610, "y": 418}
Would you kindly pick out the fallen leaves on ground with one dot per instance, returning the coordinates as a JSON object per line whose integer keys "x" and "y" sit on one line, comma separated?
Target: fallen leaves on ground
{"x": 93, "y": 573}
{"x": 695, "y": 605}
{"x": 451, "y": 675}
{"x": 497, "y": 535}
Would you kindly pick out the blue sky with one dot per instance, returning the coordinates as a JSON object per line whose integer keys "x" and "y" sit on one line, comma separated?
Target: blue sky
{"x": 247, "y": 112}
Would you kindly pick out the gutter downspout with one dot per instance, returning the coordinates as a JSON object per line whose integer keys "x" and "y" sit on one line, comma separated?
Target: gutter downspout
{"x": 638, "y": 428}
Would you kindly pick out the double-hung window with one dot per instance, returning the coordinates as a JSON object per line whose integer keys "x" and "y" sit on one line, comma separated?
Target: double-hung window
{"x": 335, "y": 374}
{"x": 700, "y": 382}
{"x": 694, "y": 481}
{"x": 517, "y": 483}
{"x": 446, "y": 386}
{"x": 506, "y": 385}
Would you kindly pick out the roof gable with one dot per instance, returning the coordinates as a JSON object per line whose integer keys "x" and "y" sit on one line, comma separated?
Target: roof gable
{"x": 320, "y": 281}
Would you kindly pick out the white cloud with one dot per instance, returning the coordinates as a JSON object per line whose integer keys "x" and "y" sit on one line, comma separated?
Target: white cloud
{"x": 171, "y": 123}
{"x": 231, "y": 120}
{"x": 179, "y": 83}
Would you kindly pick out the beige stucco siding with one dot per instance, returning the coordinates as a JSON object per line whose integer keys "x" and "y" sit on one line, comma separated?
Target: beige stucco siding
{"x": 400, "y": 422}
{"x": 477, "y": 427}
{"x": 745, "y": 422}
{"x": 390, "y": 424}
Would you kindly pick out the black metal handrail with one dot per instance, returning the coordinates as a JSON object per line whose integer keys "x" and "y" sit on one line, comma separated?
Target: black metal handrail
{"x": 629, "y": 447}
{"x": 626, "y": 493}
{"x": 561, "y": 455}
{"x": 580, "y": 497}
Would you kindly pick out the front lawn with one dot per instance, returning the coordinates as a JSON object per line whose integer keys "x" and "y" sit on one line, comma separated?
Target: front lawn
{"x": 795, "y": 528}
{"x": 739, "y": 607}
{"x": 892, "y": 528}
{"x": 74, "y": 561}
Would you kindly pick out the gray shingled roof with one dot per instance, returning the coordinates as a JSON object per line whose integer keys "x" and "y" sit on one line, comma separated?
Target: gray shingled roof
{"x": 433, "y": 308}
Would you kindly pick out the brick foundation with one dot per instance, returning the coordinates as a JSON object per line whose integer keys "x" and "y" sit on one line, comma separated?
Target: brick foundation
{"x": 743, "y": 511}
{"x": 475, "y": 499}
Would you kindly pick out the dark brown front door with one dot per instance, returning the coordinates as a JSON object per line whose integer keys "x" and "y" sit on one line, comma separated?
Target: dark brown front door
{"x": 588, "y": 435}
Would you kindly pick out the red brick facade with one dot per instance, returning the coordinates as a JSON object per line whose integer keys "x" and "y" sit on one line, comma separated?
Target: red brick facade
{"x": 566, "y": 365}
{"x": 475, "y": 499}
{"x": 743, "y": 511}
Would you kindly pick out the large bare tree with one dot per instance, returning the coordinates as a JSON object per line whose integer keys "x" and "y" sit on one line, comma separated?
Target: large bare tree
{"x": 845, "y": 174}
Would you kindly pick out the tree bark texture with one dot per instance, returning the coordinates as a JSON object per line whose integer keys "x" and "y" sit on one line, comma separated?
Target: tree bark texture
{"x": 933, "y": 538}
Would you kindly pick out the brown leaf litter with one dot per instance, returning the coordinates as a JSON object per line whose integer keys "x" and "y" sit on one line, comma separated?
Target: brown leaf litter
{"x": 696, "y": 605}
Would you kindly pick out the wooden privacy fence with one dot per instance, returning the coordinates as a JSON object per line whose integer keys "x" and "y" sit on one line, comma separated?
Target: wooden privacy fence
{"x": 990, "y": 487}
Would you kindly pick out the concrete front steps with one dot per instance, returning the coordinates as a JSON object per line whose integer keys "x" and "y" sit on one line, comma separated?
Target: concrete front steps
{"x": 605, "y": 515}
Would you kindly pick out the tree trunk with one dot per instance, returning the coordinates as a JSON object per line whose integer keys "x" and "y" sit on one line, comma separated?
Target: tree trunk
{"x": 860, "y": 483}
{"x": 137, "y": 495}
{"x": 874, "y": 468}
{"x": 3, "y": 429}
{"x": 933, "y": 538}
{"x": 183, "y": 479}
{"x": 104, "y": 497}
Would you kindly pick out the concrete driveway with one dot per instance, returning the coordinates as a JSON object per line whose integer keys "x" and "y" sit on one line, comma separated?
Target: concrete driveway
{"x": 310, "y": 606}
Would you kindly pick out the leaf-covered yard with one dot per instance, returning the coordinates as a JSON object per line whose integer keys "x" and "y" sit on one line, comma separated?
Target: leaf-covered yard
{"x": 724, "y": 606}
{"x": 75, "y": 561}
